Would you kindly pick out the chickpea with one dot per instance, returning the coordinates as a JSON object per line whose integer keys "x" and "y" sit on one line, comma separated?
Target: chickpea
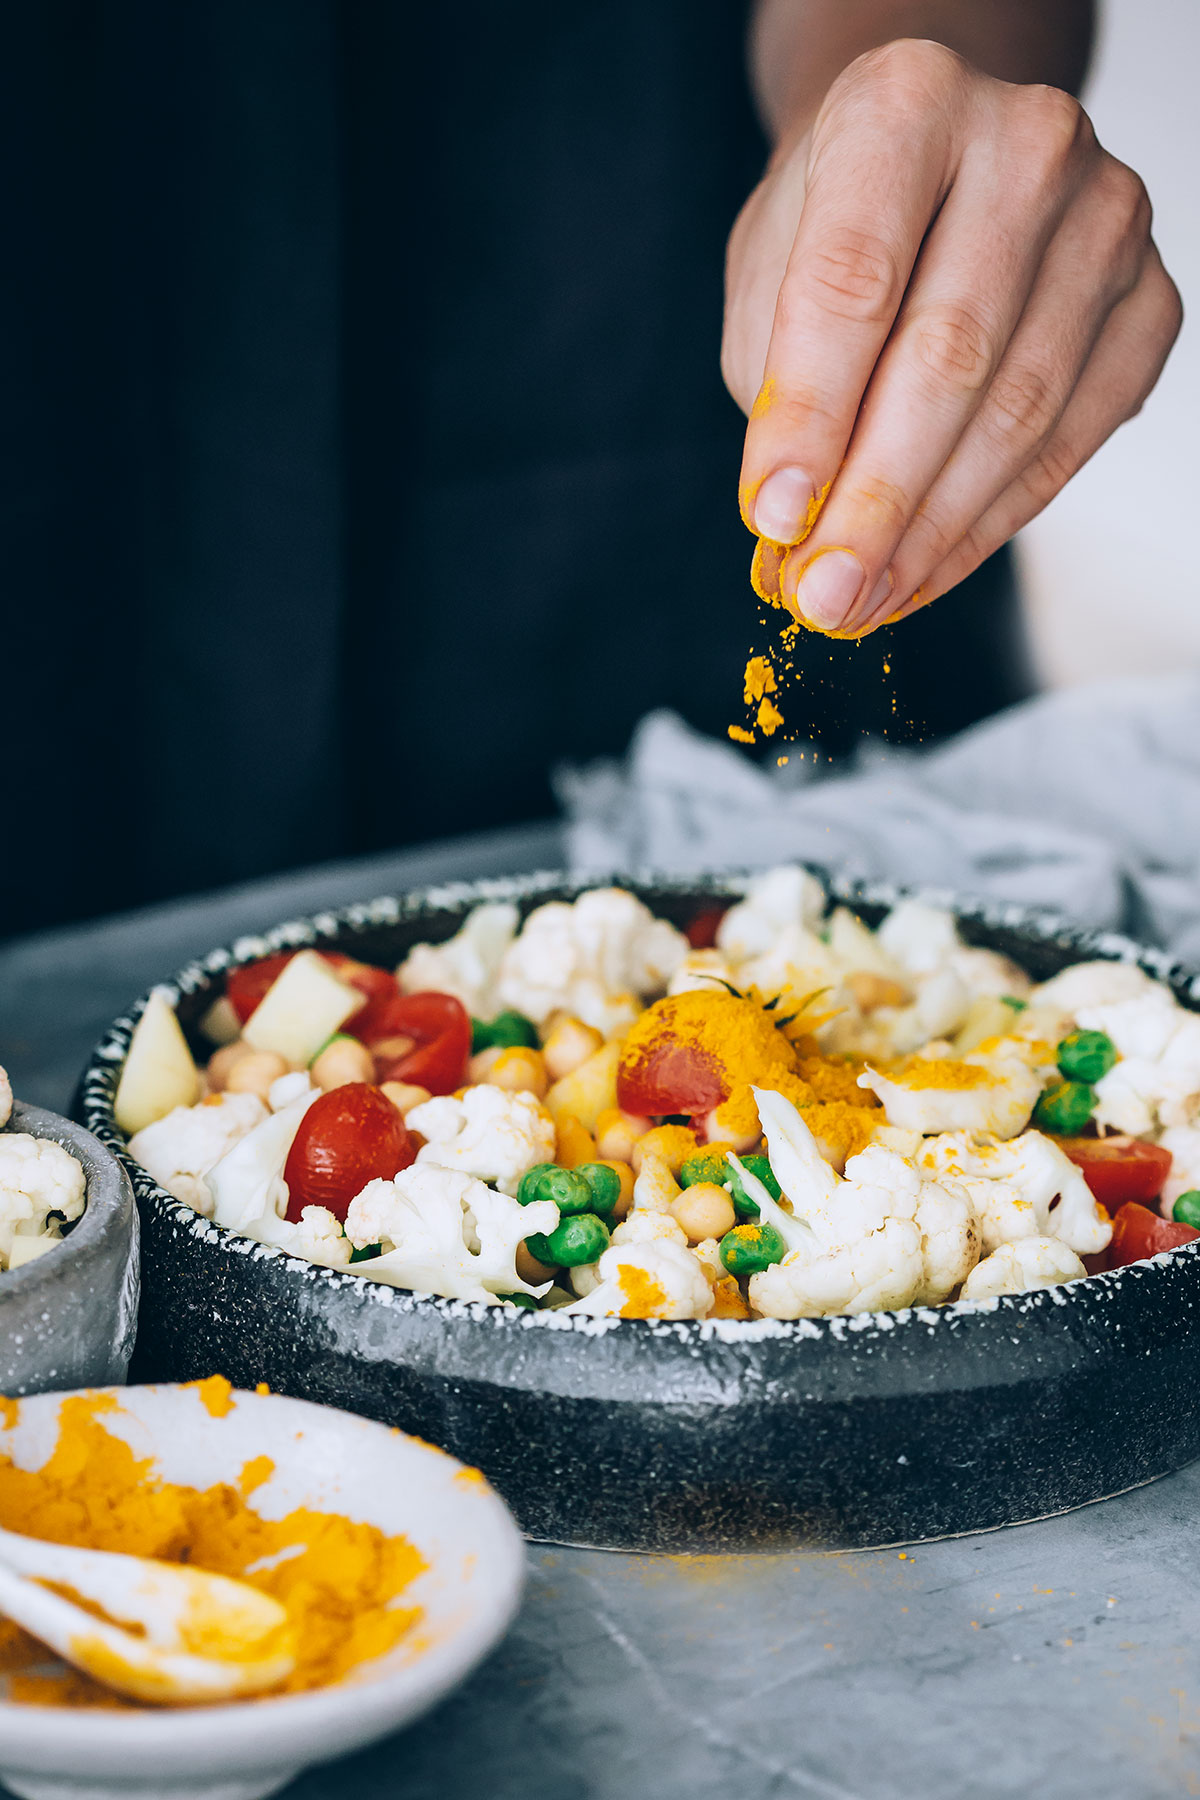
{"x": 625, "y": 1197}
{"x": 569, "y": 1044}
{"x": 222, "y": 1063}
{"x": 705, "y": 1211}
{"x": 404, "y": 1095}
{"x": 674, "y": 1143}
{"x": 254, "y": 1074}
{"x": 529, "y": 1268}
{"x": 342, "y": 1060}
{"x": 740, "y": 1142}
{"x": 480, "y": 1066}
{"x": 617, "y": 1132}
{"x": 520, "y": 1071}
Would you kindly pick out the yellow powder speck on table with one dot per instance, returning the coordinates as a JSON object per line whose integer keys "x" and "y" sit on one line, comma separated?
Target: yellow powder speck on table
{"x": 339, "y": 1585}
{"x": 739, "y": 736}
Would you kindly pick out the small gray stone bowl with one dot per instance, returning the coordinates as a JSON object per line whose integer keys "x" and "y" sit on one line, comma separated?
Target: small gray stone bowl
{"x": 68, "y": 1320}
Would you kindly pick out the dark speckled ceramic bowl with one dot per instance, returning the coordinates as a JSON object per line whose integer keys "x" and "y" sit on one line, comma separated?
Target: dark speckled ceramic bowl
{"x": 696, "y": 1436}
{"x": 67, "y": 1320}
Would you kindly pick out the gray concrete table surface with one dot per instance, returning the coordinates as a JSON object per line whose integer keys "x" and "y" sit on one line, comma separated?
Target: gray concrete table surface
{"x": 1059, "y": 1656}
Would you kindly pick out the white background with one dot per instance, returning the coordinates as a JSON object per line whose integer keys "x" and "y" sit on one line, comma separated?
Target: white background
{"x": 1110, "y": 569}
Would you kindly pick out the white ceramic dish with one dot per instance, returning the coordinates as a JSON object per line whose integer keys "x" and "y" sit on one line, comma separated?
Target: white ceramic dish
{"x": 324, "y": 1459}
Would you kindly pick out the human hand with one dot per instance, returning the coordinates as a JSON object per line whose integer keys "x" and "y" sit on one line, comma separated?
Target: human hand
{"x": 940, "y": 300}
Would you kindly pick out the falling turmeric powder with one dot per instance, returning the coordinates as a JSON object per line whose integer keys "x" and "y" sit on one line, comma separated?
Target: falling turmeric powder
{"x": 337, "y": 1579}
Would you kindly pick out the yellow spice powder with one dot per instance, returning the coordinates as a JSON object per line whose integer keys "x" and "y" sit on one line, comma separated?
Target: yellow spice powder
{"x": 339, "y": 1586}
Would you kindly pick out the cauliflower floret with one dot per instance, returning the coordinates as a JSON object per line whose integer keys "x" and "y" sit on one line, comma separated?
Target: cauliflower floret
{"x": 490, "y": 1133}
{"x": 1026, "y": 1187}
{"x": 882, "y": 1237}
{"x": 919, "y": 937}
{"x": 247, "y": 1184}
{"x": 1157, "y": 1081}
{"x": 318, "y": 1237}
{"x": 181, "y": 1148}
{"x": 775, "y": 902}
{"x": 655, "y": 1187}
{"x": 994, "y": 1093}
{"x": 468, "y": 965}
{"x": 646, "y": 1227}
{"x": 1183, "y": 1141}
{"x": 444, "y": 1232}
{"x": 594, "y": 959}
{"x": 655, "y": 1280}
{"x": 1030, "y": 1262}
{"x": 37, "y": 1177}
{"x": 295, "y": 1085}
{"x": 1091, "y": 984}
{"x": 6, "y": 1098}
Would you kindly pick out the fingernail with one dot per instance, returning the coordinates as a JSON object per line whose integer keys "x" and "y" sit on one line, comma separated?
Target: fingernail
{"x": 829, "y": 587}
{"x": 781, "y": 506}
{"x": 880, "y": 598}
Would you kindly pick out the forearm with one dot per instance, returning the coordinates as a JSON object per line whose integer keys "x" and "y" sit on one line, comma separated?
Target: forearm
{"x": 798, "y": 47}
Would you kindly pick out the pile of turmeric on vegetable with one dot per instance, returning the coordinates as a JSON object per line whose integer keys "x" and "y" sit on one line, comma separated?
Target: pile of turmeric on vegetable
{"x": 339, "y": 1581}
{"x": 778, "y": 1113}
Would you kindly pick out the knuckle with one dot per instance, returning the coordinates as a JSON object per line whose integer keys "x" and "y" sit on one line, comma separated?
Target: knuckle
{"x": 954, "y": 346}
{"x": 1053, "y": 125}
{"x": 908, "y": 66}
{"x": 853, "y": 275}
{"x": 1124, "y": 198}
{"x": 1051, "y": 469}
{"x": 1022, "y": 404}
{"x": 935, "y": 537}
{"x": 887, "y": 507}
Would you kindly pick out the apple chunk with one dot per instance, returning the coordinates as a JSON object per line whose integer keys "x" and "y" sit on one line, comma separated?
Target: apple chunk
{"x": 301, "y": 1010}
{"x": 159, "y": 1073}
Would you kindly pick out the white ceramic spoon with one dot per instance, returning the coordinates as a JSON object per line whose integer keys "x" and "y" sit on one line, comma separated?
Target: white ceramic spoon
{"x": 196, "y": 1637}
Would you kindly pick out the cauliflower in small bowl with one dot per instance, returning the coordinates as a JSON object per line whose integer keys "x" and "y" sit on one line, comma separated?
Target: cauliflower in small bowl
{"x": 68, "y": 1254}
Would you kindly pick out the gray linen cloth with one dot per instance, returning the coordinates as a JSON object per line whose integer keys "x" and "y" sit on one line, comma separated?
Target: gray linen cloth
{"x": 1085, "y": 800}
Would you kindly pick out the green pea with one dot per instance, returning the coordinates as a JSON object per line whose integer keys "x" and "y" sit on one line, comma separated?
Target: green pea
{"x": 1064, "y": 1108}
{"x": 581, "y": 1239}
{"x": 705, "y": 1165}
{"x": 1186, "y": 1210}
{"x": 506, "y": 1029}
{"x": 367, "y": 1251}
{"x": 569, "y": 1190}
{"x": 743, "y": 1205}
{"x": 605, "y": 1186}
{"x": 748, "y": 1248}
{"x": 1086, "y": 1055}
{"x": 524, "y": 1300}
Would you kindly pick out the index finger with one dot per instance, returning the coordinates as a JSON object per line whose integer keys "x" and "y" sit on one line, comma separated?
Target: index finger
{"x": 872, "y": 193}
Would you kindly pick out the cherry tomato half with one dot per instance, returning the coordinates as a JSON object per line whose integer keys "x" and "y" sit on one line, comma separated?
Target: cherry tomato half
{"x": 701, "y": 930}
{"x": 440, "y": 1029}
{"x": 1138, "y": 1232}
{"x": 1119, "y": 1169}
{"x": 350, "y": 1136}
{"x": 677, "y": 1078}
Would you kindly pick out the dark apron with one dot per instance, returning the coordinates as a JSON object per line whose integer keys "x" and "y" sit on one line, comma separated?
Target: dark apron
{"x": 369, "y": 453}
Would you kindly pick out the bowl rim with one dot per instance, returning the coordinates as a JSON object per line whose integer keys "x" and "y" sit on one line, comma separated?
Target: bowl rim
{"x": 352, "y": 1711}
{"x": 98, "y": 1083}
{"x": 104, "y": 1200}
